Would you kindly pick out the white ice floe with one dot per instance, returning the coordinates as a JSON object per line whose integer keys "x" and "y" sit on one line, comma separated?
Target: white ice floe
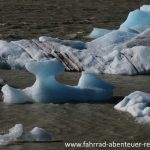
{"x": 138, "y": 105}
{"x": 18, "y": 134}
{"x": 46, "y": 89}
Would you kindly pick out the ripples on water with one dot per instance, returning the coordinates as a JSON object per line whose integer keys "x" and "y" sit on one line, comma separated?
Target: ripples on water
{"x": 75, "y": 122}
{"x": 61, "y": 18}
{"x": 69, "y": 122}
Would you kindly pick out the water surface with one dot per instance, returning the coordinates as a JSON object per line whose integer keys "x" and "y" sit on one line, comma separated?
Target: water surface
{"x": 69, "y": 19}
{"x": 75, "y": 122}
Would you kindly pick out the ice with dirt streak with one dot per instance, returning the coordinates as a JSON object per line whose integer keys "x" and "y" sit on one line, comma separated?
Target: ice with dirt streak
{"x": 120, "y": 51}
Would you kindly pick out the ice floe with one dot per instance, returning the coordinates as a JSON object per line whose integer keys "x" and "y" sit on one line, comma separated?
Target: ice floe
{"x": 138, "y": 105}
{"x": 18, "y": 134}
{"x": 46, "y": 89}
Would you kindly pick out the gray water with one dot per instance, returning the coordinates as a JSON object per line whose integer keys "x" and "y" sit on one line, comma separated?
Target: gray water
{"x": 75, "y": 122}
{"x": 69, "y": 19}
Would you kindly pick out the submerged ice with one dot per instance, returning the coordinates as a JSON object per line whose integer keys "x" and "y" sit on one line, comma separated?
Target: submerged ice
{"x": 18, "y": 134}
{"x": 46, "y": 89}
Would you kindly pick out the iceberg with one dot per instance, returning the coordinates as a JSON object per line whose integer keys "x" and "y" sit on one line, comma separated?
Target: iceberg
{"x": 112, "y": 51}
{"x": 46, "y": 89}
{"x": 137, "y": 104}
{"x": 138, "y": 16}
{"x": 18, "y": 134}
{"x": 106, "y": 54}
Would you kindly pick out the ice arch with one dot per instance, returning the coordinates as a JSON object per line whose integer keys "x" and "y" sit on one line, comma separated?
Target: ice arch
{"x": 46, "y": 89}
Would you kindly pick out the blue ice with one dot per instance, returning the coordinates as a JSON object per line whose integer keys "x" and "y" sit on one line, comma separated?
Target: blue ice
{"x": 98, "y": 32}
{"x": 47, "y": 89}
{"x": 138, "y": 17}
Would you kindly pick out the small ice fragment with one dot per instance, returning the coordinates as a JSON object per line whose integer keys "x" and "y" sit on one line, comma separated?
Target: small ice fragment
{"x": 17, "y": 134}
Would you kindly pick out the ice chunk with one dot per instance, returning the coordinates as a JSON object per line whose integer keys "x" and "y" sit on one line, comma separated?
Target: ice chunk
{"x": 17, "y": 134}
{"x": 137, "y": 104}
{"x": 40, "y": 134}
{"x": 47, "y": 89}
{"x": 71, "y": 43}
{"x": 98, "y": 32}
{"x": 12, "y": 136}
{"x": 13, "y": 55}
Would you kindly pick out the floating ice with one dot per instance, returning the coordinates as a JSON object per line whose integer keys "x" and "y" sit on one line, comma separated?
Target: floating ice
{"x": 98, "y": 32}
{"x": 18, "y": 134}
{"x": 47, "y": 89}
{"x": 39, "y": 134}
{"x": 137, "y": 104}
{"x": 113, "y": 51}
